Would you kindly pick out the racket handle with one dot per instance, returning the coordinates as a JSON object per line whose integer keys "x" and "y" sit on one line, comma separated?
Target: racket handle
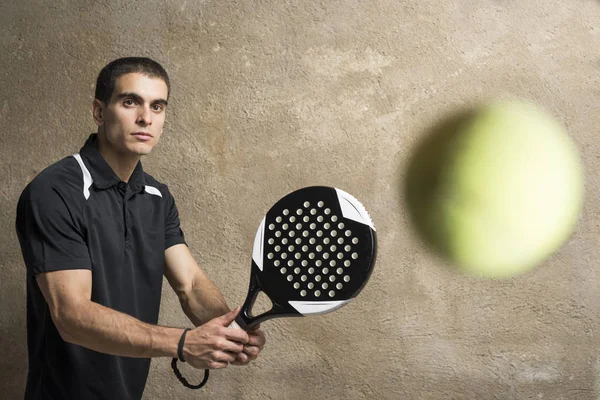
{"x": 234, "y": 325}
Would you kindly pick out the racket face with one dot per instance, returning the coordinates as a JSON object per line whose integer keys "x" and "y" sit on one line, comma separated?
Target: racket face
{"x": 314, "y": 251}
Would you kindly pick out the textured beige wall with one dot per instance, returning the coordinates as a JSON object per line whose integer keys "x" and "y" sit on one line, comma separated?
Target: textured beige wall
{"x": 269, "y": 96}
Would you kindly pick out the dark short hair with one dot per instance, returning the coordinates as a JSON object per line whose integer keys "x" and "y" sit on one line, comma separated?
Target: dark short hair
{"x": 105, "y": 84}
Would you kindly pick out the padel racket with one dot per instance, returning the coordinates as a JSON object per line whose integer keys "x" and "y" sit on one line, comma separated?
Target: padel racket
{"x": 313, "y": 252}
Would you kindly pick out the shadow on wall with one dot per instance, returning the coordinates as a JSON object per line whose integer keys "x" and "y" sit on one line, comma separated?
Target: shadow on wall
{"x": 14, "y": 352}
{"x": 423, "y": 181}
{"x": 13, "y": 329}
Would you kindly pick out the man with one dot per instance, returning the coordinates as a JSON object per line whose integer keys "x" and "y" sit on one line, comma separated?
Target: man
{"x": 97, "y": 234}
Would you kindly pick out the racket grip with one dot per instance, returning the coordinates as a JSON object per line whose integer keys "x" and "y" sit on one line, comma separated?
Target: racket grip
{"x": 234, "y": 325}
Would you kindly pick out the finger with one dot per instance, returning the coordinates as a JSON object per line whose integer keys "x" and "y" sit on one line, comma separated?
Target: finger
{"x": 231, "y": 346}
{"x": 237, "y": 335}
{"x": 251, "y": 351}
{"x": 227, "y": 319}
{"x": 255, "y": 327}
{"x": 239, "y": 363}
{"x": 217, "y": 364}
{"x": 256, "y": 339}
{"x": 224, "y": 356}
{"x": 241, "y": 359}
{"x": 203, "y": 364}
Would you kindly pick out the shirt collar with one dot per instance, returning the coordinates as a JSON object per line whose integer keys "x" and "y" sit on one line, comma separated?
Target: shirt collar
{"x": 102, "y": 174}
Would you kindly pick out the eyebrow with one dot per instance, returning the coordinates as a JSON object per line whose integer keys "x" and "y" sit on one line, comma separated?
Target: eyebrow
{"x": 139, "y": 99}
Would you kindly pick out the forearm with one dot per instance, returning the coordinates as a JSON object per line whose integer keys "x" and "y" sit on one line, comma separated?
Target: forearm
{"x": 105, "y": 330}
{"x": 203, "y": 302}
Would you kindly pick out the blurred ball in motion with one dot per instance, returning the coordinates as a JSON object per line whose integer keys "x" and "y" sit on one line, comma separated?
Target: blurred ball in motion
{"x": 497, "y": 189}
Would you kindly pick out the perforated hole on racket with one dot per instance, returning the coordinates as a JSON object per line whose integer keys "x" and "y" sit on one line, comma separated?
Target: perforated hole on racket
{"x": 313, "y": 252}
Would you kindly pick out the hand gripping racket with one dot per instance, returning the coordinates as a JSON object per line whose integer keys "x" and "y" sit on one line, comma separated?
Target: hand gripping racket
{"x": 314, "y": 251}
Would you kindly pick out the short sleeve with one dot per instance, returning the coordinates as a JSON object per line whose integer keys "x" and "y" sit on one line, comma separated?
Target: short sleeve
{"x": 173, "y": 232}
{"x": 49, "y": 237}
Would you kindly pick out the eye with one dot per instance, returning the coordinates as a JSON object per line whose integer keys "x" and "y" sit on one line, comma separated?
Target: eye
{"x": 128, "y": 102}
{"x": 158, "y": 107}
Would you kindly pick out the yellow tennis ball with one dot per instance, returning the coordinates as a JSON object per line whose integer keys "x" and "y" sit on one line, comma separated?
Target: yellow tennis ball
{"x": 498, "y": 190}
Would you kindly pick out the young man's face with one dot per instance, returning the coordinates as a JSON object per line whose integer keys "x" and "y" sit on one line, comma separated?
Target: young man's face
{"x": 133, "y": 119}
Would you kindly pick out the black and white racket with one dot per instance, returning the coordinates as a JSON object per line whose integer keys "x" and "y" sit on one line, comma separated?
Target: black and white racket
{"x": 314, "y": 251}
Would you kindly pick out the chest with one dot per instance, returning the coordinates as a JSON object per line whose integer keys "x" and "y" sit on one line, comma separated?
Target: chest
{"x": 125, "y": 234}
{"x": 118, "y": 221}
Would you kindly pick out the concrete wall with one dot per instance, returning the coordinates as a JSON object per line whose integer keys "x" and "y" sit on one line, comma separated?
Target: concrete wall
{"x": 269, "y": 96}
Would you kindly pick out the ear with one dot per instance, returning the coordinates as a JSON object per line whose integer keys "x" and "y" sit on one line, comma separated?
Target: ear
{"x": 98, "y": 112}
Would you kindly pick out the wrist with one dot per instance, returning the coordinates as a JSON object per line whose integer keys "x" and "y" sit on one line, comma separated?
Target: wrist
{"x": 181, "y": 343}
{"x": 163, "y": 341}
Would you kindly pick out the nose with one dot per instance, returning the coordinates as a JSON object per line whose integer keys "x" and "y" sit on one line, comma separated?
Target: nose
{"x": 145, "y": 116}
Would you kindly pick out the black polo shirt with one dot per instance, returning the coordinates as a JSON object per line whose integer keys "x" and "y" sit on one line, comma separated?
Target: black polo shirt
{"x": 78, "y": 214}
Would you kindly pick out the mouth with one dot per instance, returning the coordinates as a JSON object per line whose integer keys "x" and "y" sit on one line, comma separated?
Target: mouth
{"x": 143, "y": 135}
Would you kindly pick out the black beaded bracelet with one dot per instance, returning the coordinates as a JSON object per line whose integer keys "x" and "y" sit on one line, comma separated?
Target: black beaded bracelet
{"x": 181, "y": 358}
{"x": 180, "y": 346}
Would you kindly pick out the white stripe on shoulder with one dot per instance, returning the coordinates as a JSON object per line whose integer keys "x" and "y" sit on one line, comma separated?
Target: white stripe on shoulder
{"x": 153, "y": 190}
{"x": 87, "y": 178}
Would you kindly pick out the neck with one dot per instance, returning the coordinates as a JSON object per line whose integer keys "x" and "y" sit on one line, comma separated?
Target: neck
{"x": 121, "y": 163}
